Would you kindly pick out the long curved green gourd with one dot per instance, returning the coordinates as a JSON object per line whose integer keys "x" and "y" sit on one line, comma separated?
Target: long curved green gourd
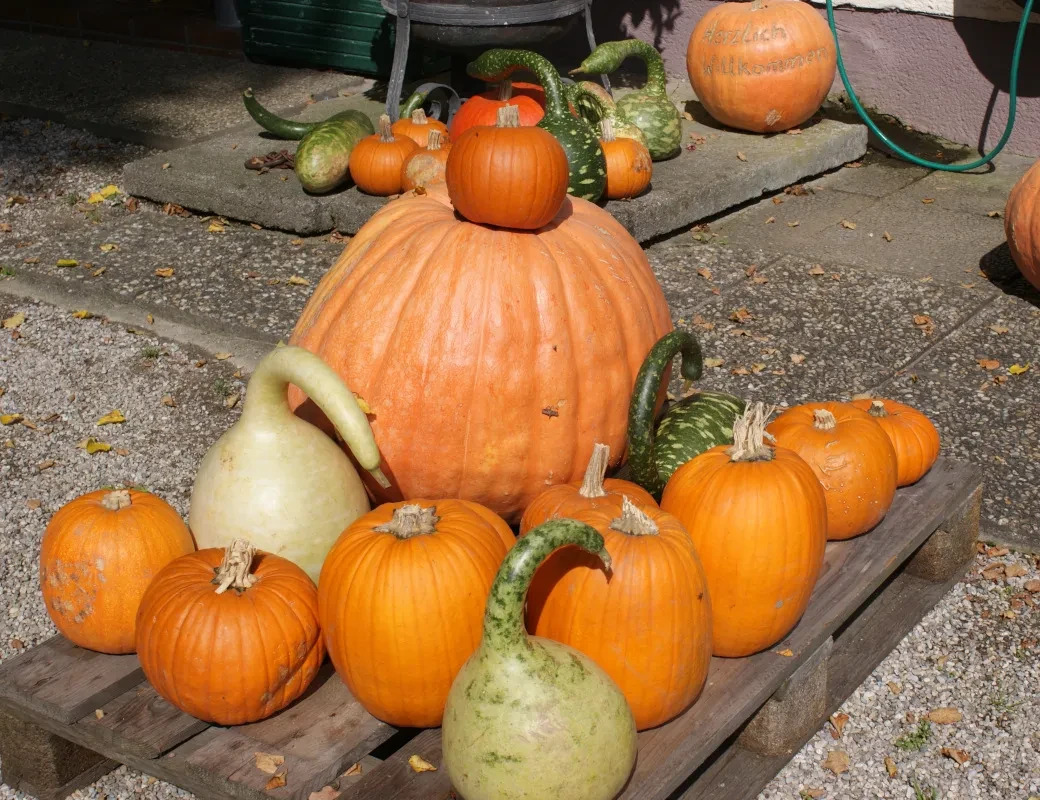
{"x": 588, "y": 167}
{"x": 295, "y": 130}
{"x": 650, "y": 107}
{"x": 688, "y": 428}
{"x": 594, "y": 104}
{"x": 531, "y": 717}
{"x": 278, "y": 480}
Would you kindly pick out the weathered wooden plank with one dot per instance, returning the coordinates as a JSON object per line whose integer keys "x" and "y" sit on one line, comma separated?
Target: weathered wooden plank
{"x": 394, "y": 779}
{"x": 58, "y": 680}
{"x": 734, "y": 773}
{"x": 736, "y": 688}
{"x": 142, "y": 723}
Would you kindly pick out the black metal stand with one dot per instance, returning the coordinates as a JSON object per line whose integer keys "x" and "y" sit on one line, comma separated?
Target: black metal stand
{"x": 442, "y": 14}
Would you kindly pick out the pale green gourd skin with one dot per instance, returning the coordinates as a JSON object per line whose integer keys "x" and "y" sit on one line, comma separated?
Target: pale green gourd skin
{"x": 278, "y": 481}
{"x": 528, "y": 718}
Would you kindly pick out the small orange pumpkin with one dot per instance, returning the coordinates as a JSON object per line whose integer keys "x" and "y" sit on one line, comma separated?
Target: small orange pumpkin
{"x": 507, "y": 175}
{"x": 629, "y": 168}
{"x": 426, "y": 167}
{"x": 649, "y": 626}
{"x": 757, "y": 516}
{"x": 419, "y": 127}
{"x": 914, "y": 437}
{"x": 852, "y": 457}
{"x": 377, "y": 160}
{"x": 100, "y": 552}
{"x": 593, "y": 492}
{"x": 401, "y": 598}
{"x": 230, "y": 657}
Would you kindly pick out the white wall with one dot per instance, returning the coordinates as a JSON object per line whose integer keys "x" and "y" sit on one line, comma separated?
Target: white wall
{"x": 996, "y": 10}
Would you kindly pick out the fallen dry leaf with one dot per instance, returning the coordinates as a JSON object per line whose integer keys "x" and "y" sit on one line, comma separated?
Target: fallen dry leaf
{"x": 297, "y": 280}
{"x": 108, "y": 247}
{"x": 113, "y": 417}
{"x": 131, "y": 204}
{"x": 886, "y": 236}
{"x": 713, "y": 362}
{"x": 944, "y": 716}
{"x": 31, "y": 260}
{"x": 797, "y": 358}
{"x": 838, "y": 724}
{"x": 741, "y": 315}
{"x": 66, "y": 262}
{"x": 82, "y": 314}
{"x": 794, "y": 224}
{"x": 1032, "y": 586}
{"x": 231, "y": 400}
{"x": 14, "y": 321}
{"x": 988, "y": 363}
{"x": 928, "y": 200}
{"x": 95, "y": 198}
{"x": 1015, "y": 570}
{"x": 848, "y": 224}
{"x": 98, "y": 272}
{"x": 787, "y": 652}
{"x": 296, "y": 242}
{"x": 994, "y": 213}
{"x": 5, "y": 227}
{"x": 759, "y": 279}
{"x": 924, "y": 324}
{"x": 99, "y": 713}
{"x": 798, "y": 190}
{"x": 890, "y": 766}
{"x": 777, "y": 200}
{"x": 704, "y": 272}
{"x": 741, "y": 156}
{"x": 1009, "y": 614}
{"x": 93, "y": 446}
{"x": 757, "y": 368}
{"x": 277, "y": 781}
{"x": 894, "y": 688}
{"x": 770, "y": 220}
{"x": 164, "y": 272}
{"x": 740, "y": 371}
{"x": 33, "y": 503}
{"x": 1018, "y": 369}
{"x": 997, "y": 552}
{"x": 256, "y": 227}
{"x": 994, "y": 572}
{"x": 46, "y": 464}
{"x": 167, "y": 400}
{"x": 17, "y": 644}
{"x": 1000, "y": 330}
{"x": 175, "y": 210}
{"x": 420, "y": 764}
{"x": 222, "y": 356}
{"x": 957, "y": 755}
{"x": 854, "y": 165}
{"x": 355, "y": 769}
{"x": 10, "y": 419}
{"x": 215, "y": 227}
{"x": 166, "y": 165}
{"x": 268, "y": 762}
{"x": 817, "y": 269}
{"x": 837, "y": 761}
{"x": 793, "y": 131}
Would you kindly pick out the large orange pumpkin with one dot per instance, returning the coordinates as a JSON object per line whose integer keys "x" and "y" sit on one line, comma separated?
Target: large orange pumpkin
{"x": 100, "y": 552}
{"x": 594, "y": 491}
{"x": 230, "y": 635}
{"x": 491, "y": 359}
{"x": 418, "y": 127}
{"x": 914, "y": 437}
{"x": 761, "y": 66}
{"x": 1022, "y": 224}
{"x": 851, "y": 455}
{"x": 648, "y": 624}
{"x": 758, "y": 519}
{"x": 402, "y": 596}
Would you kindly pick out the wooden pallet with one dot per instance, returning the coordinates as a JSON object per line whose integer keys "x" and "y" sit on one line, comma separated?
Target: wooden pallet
{"x": 753, "y": 715}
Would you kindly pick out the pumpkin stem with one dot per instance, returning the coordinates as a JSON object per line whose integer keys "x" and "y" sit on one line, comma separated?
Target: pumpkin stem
{"x": 823, "y": 420}
{"x": 116, "y": 500}
{"x": 508, "y": 117}
{"x": 749, "y": 435}
{"x": 386, "y": 135}
{"x": 633, "y": 521}
{"x": 434, "y": 140}
{"x": 877, "y": 408}
{"x": 505, "y": 90}
{"x": 592, "y": 485}
{"x": 233, "y": 572}
{"x": 411, "y": 520}
{"x": 606, "y": 126}
{"x": 419, "y": 117}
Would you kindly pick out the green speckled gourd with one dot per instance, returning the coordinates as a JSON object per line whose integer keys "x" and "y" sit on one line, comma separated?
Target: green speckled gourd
{"x": 688, "y": 428}
{"x": 594, "y": 104}
{"x": 650, "y": 107}
{"x": 528, "y": 717}
{"x": 588, "y": 167}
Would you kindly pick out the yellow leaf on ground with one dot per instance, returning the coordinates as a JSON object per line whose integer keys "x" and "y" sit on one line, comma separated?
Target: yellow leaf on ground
{"x": 944, "y": 716}
{"x": 837, "y": 762}
{"x": 296, "y": 242}
{"x": 93, "y": 445}
{"x": 165, "y": 272}
{"x": 10, "y": 419}
{"x": 82, "y": 314}
{"x": 108, "y": 247}
{"x": 787, "y": 652}
{"x": 268, "y": 762}
{"x": 890, "y": 766}
{"x": 215, "y": 227}
{"x": 149, "y": 319}
{"x": 95, "y": 198}
{"x": 98, "y": 272}
{"x": 296, "y": 280}
{"x": 109, "y": 190}
{"x": 67, "y": 262}
{"x": 113, "y": 417}
{"x": 14, "y": 321}
{"x": 1018, "y": 369}
{"x": 420, "y": 764}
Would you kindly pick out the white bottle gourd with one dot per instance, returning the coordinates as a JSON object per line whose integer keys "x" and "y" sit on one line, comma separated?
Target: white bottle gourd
{"x": 279, "y": 481}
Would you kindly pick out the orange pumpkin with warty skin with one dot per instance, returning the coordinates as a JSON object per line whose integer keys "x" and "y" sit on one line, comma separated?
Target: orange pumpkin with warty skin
{"x": 230, "y": 635}
{"x": 852, "y": 457}
{"x": 401, "y": 597}
{"x": 491, "y": 359}
{"x": 914, "y": 437}
{"x": 649, "y": 626}
{"x": 99, "y": 553}
{"x": 757, "y": 516}
{"x": 762, "y": 66}
{"x": 418, "y": 127}
{"x": 507, "y": 175}
{"x": 377, "y": 160}
{"x": 427, "y": 166}
{"x": 594, "y": 491}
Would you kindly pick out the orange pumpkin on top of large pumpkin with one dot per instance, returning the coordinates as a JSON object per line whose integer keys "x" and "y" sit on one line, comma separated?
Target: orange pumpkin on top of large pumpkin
{"x": 491, "y": 359}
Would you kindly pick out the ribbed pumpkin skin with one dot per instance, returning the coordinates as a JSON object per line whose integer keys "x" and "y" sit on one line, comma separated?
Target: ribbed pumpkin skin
{"x": 1022, "y": 224}
{"x": 235, "y": 657}
{"x": 629, "y": 168}
{"x": 760, "y": 529}
{"x": 425, "y": 167}
{"x": 761, "y": 66}
{"x": 855, "y": 462}
{"x": 482, "y": 109}
{"x": 649, "y": 626}
{"x": 376, "y": 163}
{"x": 492, "y": 360}
{"x": 401, "y": 616}
{"x": 566, "y": 500}
{"x": 914, "y": 437}
{"x": 96, "y": 563}
{"x": 510, "y": 177}
{"x": 418, "y": 128}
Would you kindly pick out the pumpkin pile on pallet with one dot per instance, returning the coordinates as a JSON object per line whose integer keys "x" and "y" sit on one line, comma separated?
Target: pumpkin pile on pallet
{"x": 501, "y": 359}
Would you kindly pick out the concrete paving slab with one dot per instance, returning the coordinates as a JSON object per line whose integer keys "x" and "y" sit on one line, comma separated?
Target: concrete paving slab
{"x": 725, "y": 169}
{"x": 878, "y": 175}
{"x": 980, "y": 191}
{"x": 157, "y": 97}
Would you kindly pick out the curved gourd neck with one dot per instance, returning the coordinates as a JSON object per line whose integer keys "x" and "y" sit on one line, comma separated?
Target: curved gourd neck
{"x": 609, "y": 55}
{"x": 267, "y": 400}
{"x": 504, "y": 618}
{"x": 641, "y": 434}
{"x": 497, "y": 65}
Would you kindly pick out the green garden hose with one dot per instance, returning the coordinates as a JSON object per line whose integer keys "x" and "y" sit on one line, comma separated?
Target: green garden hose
{"x": 1012, "y": 95}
